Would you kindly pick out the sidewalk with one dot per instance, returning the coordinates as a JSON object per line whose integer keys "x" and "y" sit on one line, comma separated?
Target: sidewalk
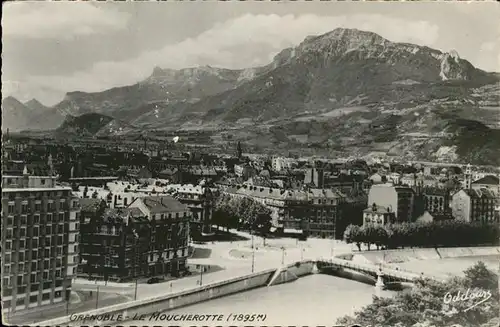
{"x": 83, "y": 281}
{"x": 84, "y": 303}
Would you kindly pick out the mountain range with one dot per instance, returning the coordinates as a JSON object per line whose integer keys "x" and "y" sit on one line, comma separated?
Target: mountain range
{"x": 344, "y": 91}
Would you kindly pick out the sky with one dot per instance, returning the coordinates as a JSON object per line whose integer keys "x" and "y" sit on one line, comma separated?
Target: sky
{"x": 50, "y": 48}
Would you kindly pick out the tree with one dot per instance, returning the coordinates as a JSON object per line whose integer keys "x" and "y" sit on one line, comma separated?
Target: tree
{"x": 423, "y": 305}
{"x": 352, "y": 235}
{"x": 263, "y": 224}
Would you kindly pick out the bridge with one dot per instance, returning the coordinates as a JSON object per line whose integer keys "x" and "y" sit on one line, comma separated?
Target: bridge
{"x": 384, "y": 274}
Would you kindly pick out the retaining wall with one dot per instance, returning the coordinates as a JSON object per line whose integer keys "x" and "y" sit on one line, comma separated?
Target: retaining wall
{"x": 199, "y": 294}
{"x": 293, "y": 272}
{"x": 405, "y": 255}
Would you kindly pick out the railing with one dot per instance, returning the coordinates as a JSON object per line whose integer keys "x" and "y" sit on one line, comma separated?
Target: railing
{"x": 390, "y": 272}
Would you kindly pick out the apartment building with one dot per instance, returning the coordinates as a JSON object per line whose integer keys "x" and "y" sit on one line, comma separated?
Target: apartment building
{"x": 40, "y": 235}
{"x": 310, "y": 211}
{"x": 397, "y": 199}
{"x": 148, "y": 238}
{"x": 280, "y": 163}
{"x": 474, "y": 205}
{"x": 324, "y": 213}
{"x": 436, "y": 200}
{"x": 378, "y": 215}
{"x": 168, "y": 233}
{"x": 200, "y": 200}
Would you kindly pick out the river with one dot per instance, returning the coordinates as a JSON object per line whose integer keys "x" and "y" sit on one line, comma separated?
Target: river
{"x": 317, "y": 299}
{"x": 312, "y": 300}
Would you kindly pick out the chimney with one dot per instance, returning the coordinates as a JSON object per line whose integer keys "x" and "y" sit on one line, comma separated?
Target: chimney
{"x": 374, "y": 207}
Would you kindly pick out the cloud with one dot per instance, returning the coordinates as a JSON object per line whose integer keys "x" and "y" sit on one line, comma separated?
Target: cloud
{"x": 246, "y": 41}
{"x": 65, "y": 20}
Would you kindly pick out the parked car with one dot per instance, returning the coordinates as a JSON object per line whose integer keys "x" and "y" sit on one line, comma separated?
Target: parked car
{"x": 153, "y": 280}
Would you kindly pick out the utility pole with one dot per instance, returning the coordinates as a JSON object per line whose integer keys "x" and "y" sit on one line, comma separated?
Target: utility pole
{"x": 135, "y": 292}
{"x": 253, "y": 254}
{"x": 68, "y": 296}
{"x": 201, "y": 275}
{"x": 97, "y": 298}
{"x": 283, "y": 255}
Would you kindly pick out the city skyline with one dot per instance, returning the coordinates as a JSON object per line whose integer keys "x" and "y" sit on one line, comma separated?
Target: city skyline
{"x": 108, "y": 45}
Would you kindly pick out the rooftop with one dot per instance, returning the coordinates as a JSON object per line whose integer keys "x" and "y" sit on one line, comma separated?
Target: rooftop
{"x": 488, "y": 180}
{"x": 164, "y": 203}
{"x": 481, "y": 193}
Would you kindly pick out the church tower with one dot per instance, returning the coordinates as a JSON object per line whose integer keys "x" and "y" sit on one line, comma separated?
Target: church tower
{"x": 239, "y": 151}
{"x": 51, "y": 165}
{"x": 468, "y": 177}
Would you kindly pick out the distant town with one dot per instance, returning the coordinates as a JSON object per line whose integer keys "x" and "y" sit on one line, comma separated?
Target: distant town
{"x": 119, "y": 214}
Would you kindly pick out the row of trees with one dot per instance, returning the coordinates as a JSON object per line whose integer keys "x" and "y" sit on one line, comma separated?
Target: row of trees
{"x": 242, "y": 213}
{"x": 424, "y": 305}
{"x": 446, "y": 233}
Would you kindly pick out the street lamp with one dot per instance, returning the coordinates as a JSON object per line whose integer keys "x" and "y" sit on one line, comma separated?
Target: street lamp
{"x": 97, "y": 298}
{"x": 135, "y": 292}
{"x": 68, "y": 297}
{"x": 253, "y": 255}
{"x": 283, "y": 255}
{"x": 201, "y": 275}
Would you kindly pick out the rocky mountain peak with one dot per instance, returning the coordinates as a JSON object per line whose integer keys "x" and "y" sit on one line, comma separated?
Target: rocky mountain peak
{"x": 35, "y": 105}
{"x": 11, "y": 101}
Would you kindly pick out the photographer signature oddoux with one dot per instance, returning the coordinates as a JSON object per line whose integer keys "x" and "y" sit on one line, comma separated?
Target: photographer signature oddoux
{"x": 480, "y": 295}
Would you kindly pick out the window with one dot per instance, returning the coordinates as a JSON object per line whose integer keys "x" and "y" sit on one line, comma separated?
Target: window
{"x": 20, "y": 302}
{"x": 9, "y": 233}
{"x": 34, "y": 255}
{"x": 10, "y": 221}
{"x": 8, "y": 245}
{"x": 47, "y": 241}
{"x": 34, "y": 299}
{"x": 22, "y": 244}
{"x": 11, "y": 208}
{"x": 7, "y": 258}
{"x": 47, "y": 253}
{"x": 21, "y": 256}
{"x": 23, "y": 232}
{"x": 34, "y": 243}
{"x": 36, "y": 219}
{"x": 45, "y": 275}
{"x": 6, "y": 282}
{"x": 58, "y": 273}
{"x": 20, "y": 280}
{"x": 45, "y": 296}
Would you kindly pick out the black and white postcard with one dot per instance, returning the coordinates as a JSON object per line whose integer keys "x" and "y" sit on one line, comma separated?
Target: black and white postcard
{"x": 250, "y": 163}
